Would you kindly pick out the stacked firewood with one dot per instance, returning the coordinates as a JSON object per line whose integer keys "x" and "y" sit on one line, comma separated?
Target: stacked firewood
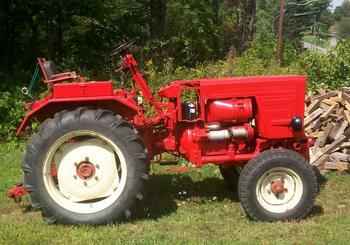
{"x": 327, "y": 119}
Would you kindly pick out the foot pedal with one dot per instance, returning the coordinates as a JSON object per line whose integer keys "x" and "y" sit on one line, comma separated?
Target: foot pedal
{"x": 159, "y": 160}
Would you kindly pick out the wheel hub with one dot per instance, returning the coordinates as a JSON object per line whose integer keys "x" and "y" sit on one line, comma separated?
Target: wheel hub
{"x": 86, "y": 170}
{"x": 277, "y": 187}
{"x": 279, "y": 190}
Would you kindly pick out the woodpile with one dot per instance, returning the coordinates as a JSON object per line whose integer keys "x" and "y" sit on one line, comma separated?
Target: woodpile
{"x": 327, "y": 119}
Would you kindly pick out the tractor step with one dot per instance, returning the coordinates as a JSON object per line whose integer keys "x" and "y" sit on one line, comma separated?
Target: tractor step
{"x": 17, "y": 192}
{"x": 158, "y": 159}
{"x": 167, "y": 162}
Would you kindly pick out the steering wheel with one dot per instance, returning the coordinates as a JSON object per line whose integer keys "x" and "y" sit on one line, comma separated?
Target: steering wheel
{"x": 125, "y": 46}
{"x": 121, "y": 50}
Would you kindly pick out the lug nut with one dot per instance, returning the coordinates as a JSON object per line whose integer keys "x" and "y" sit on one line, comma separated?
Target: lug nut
{"x": 86, "y": 159}
{"x": 74, "y": 176}
{"x": 96, "y": 178}
{"x": 85, "y": 184}
{"x": 97, "y": 166}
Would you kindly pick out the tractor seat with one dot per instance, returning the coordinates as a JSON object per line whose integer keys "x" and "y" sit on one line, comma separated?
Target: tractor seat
{"x": 50, "y": 74}
{"x": 50, "y": 68}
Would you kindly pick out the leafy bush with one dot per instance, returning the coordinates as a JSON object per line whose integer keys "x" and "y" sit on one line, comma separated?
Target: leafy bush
{"x": 330, "y": 70}
{"x": 191, "y": 37}
{"x": 324, "y": 70}
{"x": 11, "y": 111}
{"x": 257, "y": 60}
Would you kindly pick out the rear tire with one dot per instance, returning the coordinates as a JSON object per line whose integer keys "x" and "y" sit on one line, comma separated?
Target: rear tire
{"x": 85, "y": 167}
{"x": 277, "y": 185}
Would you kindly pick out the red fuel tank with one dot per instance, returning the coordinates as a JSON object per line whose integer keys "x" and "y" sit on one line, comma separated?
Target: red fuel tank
{"x": 230, "y": 110}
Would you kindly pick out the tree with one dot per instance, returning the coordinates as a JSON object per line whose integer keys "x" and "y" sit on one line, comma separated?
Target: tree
{"x": 342, "y": 15}
{"x": 342, "y": 10}
{"x": 343, "y": 27}
{"x": 302, "y": 16}
{"x": 245, "y": 22}
{"x": 158, "y": 10}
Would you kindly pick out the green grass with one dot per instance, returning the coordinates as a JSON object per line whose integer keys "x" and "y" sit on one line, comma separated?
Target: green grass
{"x": 206, "y": 214}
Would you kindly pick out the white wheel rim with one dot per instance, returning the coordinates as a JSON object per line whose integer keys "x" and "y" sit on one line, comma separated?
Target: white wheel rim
{"x": 286, "y": 199}
{"x": 98, "y": 191}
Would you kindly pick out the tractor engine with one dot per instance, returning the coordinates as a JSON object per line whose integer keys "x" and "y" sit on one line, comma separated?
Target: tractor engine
{"x": 229, "y": 111}
{"x": 236, "y": 132}
{"x": 228, "y": 128}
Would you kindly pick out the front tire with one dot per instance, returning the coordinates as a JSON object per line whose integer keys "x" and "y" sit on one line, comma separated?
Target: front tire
{"x": 277, "y": 185}
{"x": 85, "y": 167}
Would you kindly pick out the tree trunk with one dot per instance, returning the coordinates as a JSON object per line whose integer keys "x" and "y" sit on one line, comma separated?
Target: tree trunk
{"x": 10, "y": 38}
{"x": 280, "y": 33}
{"x": 34, "y": 39}
{"x": 246, "y": 19}
{"x": 216, "y": 20}
{"x": 157, "y": 18}
{"x": 60, "y": 31}
{"x": 50, "y": 32}
{"x": 246, "y": 24}
{"x": 216, "y": 8}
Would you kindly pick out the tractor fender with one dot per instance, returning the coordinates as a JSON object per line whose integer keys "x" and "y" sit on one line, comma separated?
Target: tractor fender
{"x": 53, "y": 103}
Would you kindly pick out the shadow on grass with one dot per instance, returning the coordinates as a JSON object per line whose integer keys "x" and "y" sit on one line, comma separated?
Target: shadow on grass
{"x": 164, "y": 191}
{"x": 317, "y": 210}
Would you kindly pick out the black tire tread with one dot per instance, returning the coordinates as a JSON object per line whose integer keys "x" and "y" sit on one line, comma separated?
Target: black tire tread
{"x": 257, "y": 164}
{"x": 61, "y": 121}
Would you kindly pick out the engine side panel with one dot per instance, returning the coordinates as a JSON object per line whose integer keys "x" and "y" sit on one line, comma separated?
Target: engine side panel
{"x": 277, "y": 100}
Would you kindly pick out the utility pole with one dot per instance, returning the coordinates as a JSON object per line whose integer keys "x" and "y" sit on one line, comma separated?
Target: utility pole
{"x": 280, "y": 33}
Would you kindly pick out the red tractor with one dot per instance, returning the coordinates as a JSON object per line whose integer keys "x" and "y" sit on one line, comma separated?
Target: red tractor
{"x": 88, "y": 162}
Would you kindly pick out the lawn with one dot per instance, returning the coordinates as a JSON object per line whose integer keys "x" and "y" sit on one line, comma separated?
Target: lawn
{"x": 189, "y": 208}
